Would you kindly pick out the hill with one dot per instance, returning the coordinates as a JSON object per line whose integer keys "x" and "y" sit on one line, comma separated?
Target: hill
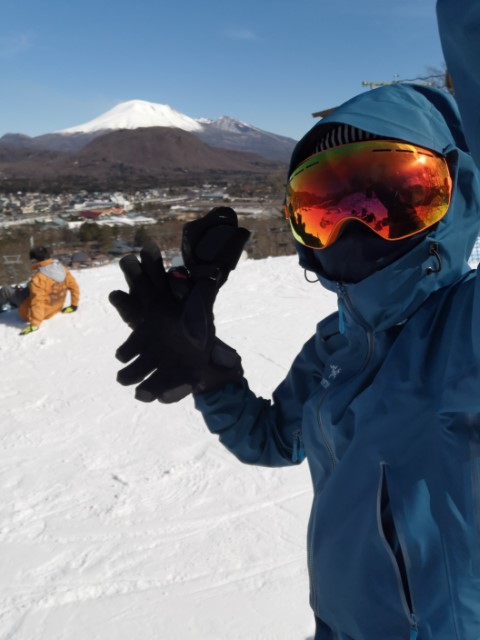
{"x": 123, "y": 520}
{"x": 127, "y": 159}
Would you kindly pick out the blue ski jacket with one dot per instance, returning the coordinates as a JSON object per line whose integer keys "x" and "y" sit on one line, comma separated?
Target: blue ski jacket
{"x": 384, "y": 400}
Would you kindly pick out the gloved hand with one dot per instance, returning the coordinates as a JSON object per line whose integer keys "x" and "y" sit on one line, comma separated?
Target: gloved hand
{"x": 171, "y": 314}
{"x": 70, "y": 309}
{"x": 30, "y": 329}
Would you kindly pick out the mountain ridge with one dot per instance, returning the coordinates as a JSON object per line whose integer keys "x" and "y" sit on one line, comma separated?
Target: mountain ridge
{"x": 225, "y": 132}
{"x": 130, "y": 159}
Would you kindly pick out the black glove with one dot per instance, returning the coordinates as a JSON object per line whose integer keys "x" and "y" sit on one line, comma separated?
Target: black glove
{"x": 171, "y": 314}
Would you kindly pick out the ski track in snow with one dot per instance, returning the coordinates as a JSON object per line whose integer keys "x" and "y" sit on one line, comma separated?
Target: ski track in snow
{"x": 121, "y": 520}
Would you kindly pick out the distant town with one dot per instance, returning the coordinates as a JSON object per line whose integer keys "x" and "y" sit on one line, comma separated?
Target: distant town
{"x": 118, "y": 208}
{"x": 88, "y": 229}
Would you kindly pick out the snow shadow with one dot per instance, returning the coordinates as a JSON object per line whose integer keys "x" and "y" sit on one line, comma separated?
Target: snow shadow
{"x": 12, "y": 319}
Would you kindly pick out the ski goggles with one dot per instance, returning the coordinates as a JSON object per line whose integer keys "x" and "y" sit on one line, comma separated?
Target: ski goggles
{"x": 394, "y": 188}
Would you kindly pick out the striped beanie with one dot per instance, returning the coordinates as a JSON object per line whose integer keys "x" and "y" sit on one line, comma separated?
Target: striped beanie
{"x": 322, "y": 137}
{"x": 342, "y": 134}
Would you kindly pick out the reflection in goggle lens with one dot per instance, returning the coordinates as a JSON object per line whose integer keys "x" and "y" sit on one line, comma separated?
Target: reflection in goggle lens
{"x": 396, "y": 189}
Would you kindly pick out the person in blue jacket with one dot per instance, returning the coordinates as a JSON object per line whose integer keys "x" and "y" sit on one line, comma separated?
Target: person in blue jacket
{"x": 383, "y": 199}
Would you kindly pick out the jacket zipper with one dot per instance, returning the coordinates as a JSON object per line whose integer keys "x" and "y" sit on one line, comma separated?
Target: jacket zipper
{"x": 343, "y": 301}
{"x": 342, "y": 298}
{"x": 413, "y": 627}
{"x": 298, "y": 451}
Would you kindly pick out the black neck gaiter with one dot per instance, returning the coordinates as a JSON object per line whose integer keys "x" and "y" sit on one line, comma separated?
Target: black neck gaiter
{"x": 358, "y": 252}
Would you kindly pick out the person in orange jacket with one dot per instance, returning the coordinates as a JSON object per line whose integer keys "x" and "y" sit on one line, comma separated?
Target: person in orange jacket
{"x": 46, "y": 291}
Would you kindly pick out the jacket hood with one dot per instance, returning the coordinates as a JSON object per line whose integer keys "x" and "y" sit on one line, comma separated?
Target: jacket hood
{"x": 50, "y": 268}
{"x": 427, "y": 117}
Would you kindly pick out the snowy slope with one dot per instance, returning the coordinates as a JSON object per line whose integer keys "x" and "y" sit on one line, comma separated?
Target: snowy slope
{"x": 126, "y": 521}
{"x": 134, "y": 114}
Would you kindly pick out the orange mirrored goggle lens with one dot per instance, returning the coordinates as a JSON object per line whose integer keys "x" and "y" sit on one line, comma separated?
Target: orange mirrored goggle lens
{"x": 396, "y": 189}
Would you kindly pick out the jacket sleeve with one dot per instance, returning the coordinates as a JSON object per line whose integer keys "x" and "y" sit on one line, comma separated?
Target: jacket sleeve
{"x": 459, "y": 28}
{"x": 72, "y": 286}
{"x": 259, "y": 431}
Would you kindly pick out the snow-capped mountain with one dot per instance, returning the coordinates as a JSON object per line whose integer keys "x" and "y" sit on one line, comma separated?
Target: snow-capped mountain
{"x": 225, "y": 132}
{"x": 135, "y": 114}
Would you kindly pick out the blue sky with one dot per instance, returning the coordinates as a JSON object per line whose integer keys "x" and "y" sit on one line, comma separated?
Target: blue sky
{"x": 270, "y": 63}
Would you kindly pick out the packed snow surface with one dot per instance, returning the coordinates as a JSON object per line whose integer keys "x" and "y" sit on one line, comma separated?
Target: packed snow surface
{"x": 128, "y": 521}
